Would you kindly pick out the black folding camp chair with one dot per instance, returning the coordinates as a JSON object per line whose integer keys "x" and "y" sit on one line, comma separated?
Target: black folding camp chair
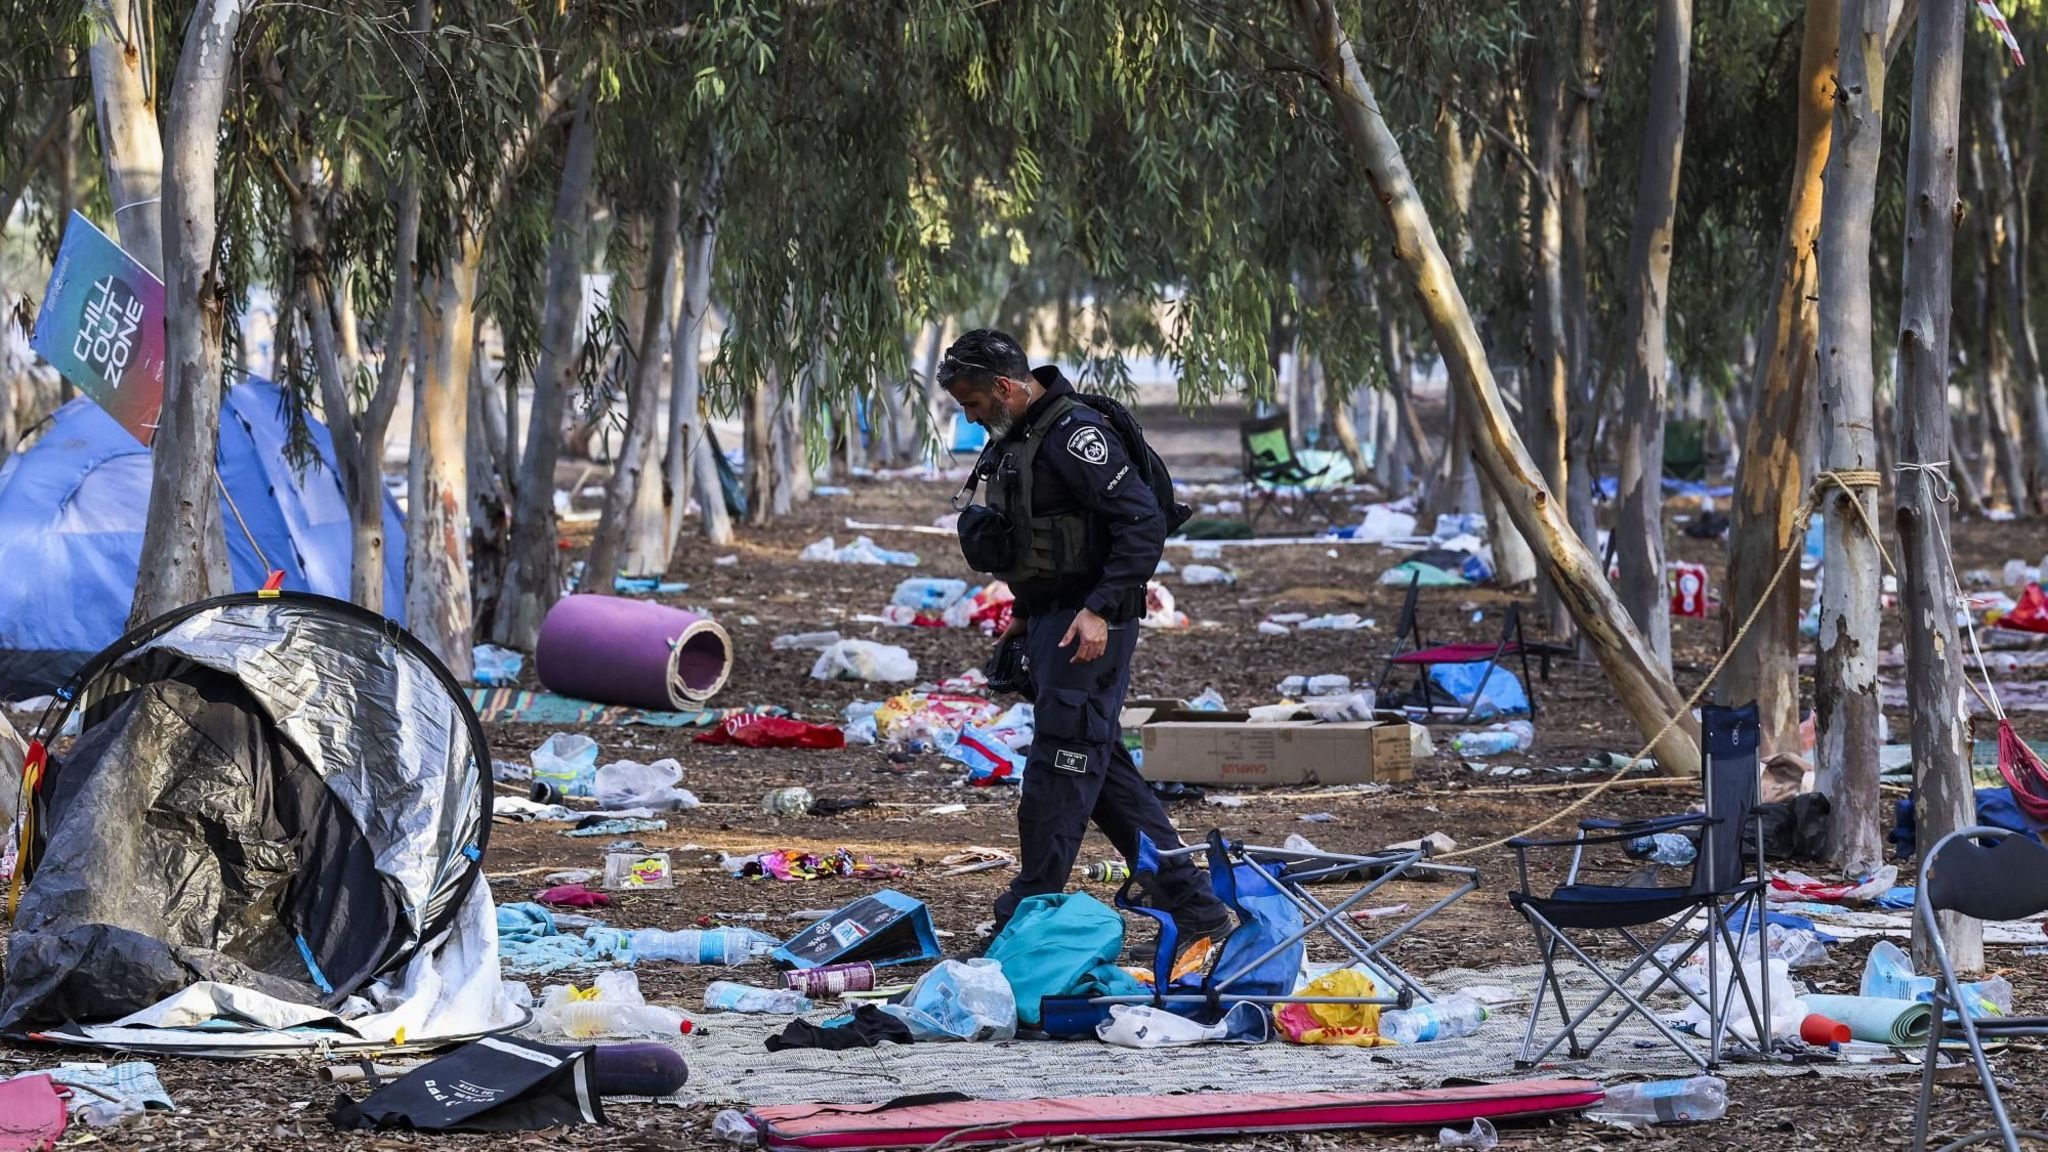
{"x": 1270, "y": 465}
{"x": 1726, "y": 877}
{"x": 1990, "y": 874}
{"x": 1410, "y": 651}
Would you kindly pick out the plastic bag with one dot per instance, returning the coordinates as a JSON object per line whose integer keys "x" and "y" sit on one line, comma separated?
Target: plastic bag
{"x": 959, "y": 1000}
{"x": 1787, "y": 1009}
{"x": 864, "y": 660}
{"x": 1353, "y": 1024}
{"x": 495, "y": 665}
{"x": 1159, "y": 609}
{"x": 1149, "y": 1026}
{"x": 568, "y": 761}
{"x": 631, "y": 784}
{"x": 1888, "y": 975}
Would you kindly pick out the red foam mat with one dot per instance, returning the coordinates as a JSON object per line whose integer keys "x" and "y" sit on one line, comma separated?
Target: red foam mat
{"x": 859, "y": 1126}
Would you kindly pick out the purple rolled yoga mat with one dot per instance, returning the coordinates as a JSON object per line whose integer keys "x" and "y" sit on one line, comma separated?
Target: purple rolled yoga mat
{"x": 620, "y": 651}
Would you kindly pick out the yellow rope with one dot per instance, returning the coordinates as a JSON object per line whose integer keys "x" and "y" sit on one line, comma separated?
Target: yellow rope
{"x": 1848, "y": 481}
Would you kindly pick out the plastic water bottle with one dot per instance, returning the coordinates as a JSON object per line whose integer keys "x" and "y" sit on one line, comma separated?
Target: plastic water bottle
{"x": 1664, "y": 1102}
{"x": 1331, "y": 684}
{"x": 726, "y": 996}
{"x": 1456, "y": 1016}
{"x": 926, "y": 594}
{"x": 584, "y": 1019}
{"x": 1488, "y": 743}
{"x": 727, "y": 946}
{"x": 1664, "y": 848}
{"x": 805, "y": 641}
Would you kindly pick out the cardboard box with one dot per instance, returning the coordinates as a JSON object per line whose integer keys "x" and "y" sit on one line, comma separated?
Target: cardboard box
{"x": 1295, "y": 752}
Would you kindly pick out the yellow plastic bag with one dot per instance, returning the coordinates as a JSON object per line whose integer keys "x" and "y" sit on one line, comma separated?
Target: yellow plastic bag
{"x": 1353, "y": 1024}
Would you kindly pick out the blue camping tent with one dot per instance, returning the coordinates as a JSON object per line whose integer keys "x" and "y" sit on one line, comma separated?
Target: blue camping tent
{"x": 71, "y": 517}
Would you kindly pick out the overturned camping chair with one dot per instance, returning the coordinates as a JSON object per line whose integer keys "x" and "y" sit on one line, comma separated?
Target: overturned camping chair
{"x": 2004, "y": 879}
{"x": 1270, "y": 464}
{"x": 1268, "y": 892}
{"x": 1409, "y": 652}
{"x": 1722, "y": 882}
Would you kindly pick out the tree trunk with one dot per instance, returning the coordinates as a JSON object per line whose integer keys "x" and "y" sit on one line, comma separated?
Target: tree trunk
{"x": 2010, "y": 193}
{"x": 1644, "y": 688}
{"x": 1846, "y": 675}
{"x": 611, "y": 553}
{"x": 792, "y": 455}
{"x": 1337, "y": 403}
{"x": 759, "y": 433}
{"x": 1928, "y": 585}
{"x": 690, "y": 463}
{"x": 1969, "y": 499}
{"x": 1547, "y": 398}
{"x": 123, "y": 92}
{"x": 184, "y": 549}
{"x": 533, "y": 577}
{"x": 1639, "y": 529}
{"x": 437, "y": 590}
{"x": 645, "y": 550}
{"x": 937, "y": 429}
{"x": 1770, "y": 485}
{"x": 1927, "y": 588}
{"x": 1583, "y": 419}
{"x": 366, "y": 570}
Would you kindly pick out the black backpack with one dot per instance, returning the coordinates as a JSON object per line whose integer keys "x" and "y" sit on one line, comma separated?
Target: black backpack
{"x": 1156, "y": 475}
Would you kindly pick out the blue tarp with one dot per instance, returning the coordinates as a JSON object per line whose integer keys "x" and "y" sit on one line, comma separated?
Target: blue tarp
{"x": 71, "y": 516}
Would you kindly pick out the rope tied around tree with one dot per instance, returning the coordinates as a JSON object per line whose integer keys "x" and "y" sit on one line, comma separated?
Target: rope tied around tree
{"x": 1849, "y": 481}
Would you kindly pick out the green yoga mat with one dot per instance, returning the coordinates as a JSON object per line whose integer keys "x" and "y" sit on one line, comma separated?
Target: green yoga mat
{"x": 1900, "y": 1023}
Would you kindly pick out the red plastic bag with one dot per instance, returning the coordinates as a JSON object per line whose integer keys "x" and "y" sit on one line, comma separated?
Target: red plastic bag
{"x": 756, "y": 731}
{"x": 2030, "y": 614}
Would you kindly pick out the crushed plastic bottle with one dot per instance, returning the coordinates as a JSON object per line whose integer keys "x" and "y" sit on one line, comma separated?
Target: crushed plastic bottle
{"x": 1443, "y": 1020}
{"x": 568, "y": 761}
{"x": 727, "y": 946}
{"x": 731, "y": 1127}
{"x": 728, "y": 996}
{"x": 1206, "y": 574}
{"x": 1664, "y": 848}
{"x": 805, "y": 642}
{"x": 1686, "y": 1101}
{"x": 1479, "y": 1138}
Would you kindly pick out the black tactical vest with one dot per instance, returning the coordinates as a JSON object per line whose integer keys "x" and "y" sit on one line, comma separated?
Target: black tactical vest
{"x": 1039, "y": 547}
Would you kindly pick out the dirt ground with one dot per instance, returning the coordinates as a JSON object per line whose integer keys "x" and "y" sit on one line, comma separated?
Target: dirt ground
{"x": 769, "y": 592}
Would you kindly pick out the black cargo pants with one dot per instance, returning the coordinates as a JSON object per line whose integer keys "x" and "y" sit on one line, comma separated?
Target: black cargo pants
{"x": 1079, "y": 770}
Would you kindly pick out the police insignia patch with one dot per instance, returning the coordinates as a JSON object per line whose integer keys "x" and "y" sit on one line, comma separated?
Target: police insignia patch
{"x": 1088, "y": 445}
{"x": 1068, "y": 760}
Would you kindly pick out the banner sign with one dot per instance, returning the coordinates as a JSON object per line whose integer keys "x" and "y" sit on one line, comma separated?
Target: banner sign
{"x": 102, "y": 326}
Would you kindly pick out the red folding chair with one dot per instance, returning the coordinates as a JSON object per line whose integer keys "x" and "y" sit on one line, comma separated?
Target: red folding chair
{"x": 1410, "y": 651}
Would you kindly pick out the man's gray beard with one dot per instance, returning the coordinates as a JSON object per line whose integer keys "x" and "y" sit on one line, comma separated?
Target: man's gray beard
{"x": 999, "y": 424}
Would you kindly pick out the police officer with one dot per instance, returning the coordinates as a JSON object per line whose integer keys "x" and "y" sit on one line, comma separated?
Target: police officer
{"x": 1083, "y": 535}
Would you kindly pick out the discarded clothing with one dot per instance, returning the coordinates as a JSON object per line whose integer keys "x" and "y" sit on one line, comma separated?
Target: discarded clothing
{"x": 792, "y": 864}
{"x": 102, "y": 1096}
{"x": 573, "y": 896}
{"x": 32, "y": 1115}
{"x": 517, "y": 706}
{"x": 506, "y": 1085}
{"x": 870, "y": 1027}
{"x": 617, "y": 827}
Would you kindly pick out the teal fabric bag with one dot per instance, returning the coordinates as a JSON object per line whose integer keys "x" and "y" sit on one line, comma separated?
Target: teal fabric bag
{"x": 1053, "y": 944}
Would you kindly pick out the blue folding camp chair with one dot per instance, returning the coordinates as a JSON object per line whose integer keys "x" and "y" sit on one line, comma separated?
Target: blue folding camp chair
{"x": 1723, "y": 882}
{"x": 1990, "y": 874}
{"x": 1268, "y": 891}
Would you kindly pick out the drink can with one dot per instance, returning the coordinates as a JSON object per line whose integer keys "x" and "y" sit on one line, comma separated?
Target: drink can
{"x": 1109, "y": 872}
{"x": 834, "y": 979}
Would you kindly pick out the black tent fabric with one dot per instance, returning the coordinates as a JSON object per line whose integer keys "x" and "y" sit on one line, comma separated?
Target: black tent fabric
{"x": 497, "y": 1084}
{"x": 283, "y": 793}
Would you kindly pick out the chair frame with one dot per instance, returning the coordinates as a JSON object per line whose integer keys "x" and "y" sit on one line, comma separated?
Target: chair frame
{"x": 1948, "y": 995}
{"x": 1265, "y": 480}
{"x": 1290, "y": 872}
{"x": 1513, "y": 642}
{"x": 1718, "y": 906}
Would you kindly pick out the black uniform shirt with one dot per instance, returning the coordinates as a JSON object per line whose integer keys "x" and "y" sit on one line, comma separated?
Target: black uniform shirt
{"x": 1083, "y": 466}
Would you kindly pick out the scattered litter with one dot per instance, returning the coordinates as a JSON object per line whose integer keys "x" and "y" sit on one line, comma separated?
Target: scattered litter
{"x": 946, "y": 810}
{"x": 862, "y": 551}
{"x": 648, "y": 586}
{"x": 495, "y": 665}
{"x": 794, "y": 801}
{"x": 1159, "y": 609}
{"x": 617, "y": 828}
{"x": 755, "y": 731}
{"x": 1480, "y": 1137}
{"x": 572, "y": 896}
{"x": 976, "y": 859}
{"x": 1663, "y": 1102}
{"x": 1495, "y": 740}
{"x": 1317, "y": 817}
{"x": 1196, "y": 574}
{"x": 726, "y": 561}
{"x": 631, "y": 784}
{"x": 804, "y": 642}
{"x": 1342, "y": 622}
{"x": 636, "y": 870}
{"x": 790, "y": 865}
{"x": 864, "y": 660}
{"x": 568, "y": 761}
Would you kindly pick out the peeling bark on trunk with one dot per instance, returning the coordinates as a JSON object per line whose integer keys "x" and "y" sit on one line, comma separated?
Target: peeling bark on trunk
{"x": 1928, "y": 593}
{"x": 1547, "y": 398}
{"x": 1770, "y": 485}
{"x": 690, "y": 463}
{"x": 184, "y": 548}
{"x": 437, "y": 587}
{"x": 129, "y": 138}
{"x": 2010, "y": 191}
{"x": 645, "y": 550}
{"x": 1639, "y": 529}
{"x": 1846, "y": 675}
{"x": 1583, "y": 417}
{"x": 1640, "y": 683}
{"x": 533, "y": 577}
{"x": 610, "y": 555}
